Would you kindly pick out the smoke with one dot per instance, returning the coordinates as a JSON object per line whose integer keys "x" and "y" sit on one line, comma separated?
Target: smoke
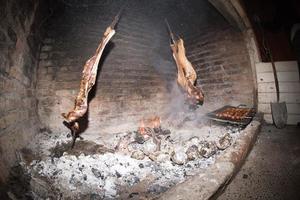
{"x": 177, "y": 108}
{"x": 178, "y": 102}
{"x": 162, "y": 61}
{"x": 177, "y": 98}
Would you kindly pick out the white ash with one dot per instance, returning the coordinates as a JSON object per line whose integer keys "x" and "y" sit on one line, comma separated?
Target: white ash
{"x": 106, "y": 174}
{"x": 44, "y": 142}
{"x": 224, "y": 141}
{"x": 179, "y": 156}
{"x": 149, "y": 146}
{"x": 192, "y": 152}
{"x": 138, "y": 154}
{"x": 207, "y": 149}
{"x": 160, "y": 156}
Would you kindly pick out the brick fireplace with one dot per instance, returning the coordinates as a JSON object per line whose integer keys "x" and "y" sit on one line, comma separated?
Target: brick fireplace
{"x": 137, "y": 71}
{"x": 44, "y": 46}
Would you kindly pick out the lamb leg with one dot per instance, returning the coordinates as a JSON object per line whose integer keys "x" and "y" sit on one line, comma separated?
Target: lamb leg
{"x": 88, "y": 79}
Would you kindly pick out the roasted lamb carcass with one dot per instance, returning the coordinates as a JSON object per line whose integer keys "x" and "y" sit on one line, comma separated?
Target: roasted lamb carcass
{"x": 186, "y": 74}
{"x": 88, "y": 79}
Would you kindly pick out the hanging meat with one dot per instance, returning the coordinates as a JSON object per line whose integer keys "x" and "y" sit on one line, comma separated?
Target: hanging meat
{"x": 88, "y": 79}
{"x": 186, "y": 74}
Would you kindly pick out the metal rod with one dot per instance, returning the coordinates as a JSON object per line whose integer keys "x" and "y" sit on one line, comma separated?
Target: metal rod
{"x": 117, "y": 17}
{"x": 170, "y": 31}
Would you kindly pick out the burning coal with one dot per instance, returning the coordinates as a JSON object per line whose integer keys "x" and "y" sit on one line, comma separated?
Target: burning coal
{"x": 150, "y": 123}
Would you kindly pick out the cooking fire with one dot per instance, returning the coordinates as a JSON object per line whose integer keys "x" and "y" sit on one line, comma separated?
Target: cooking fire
{"x": 140, "y": 163}
{"x": 122, "y": 99}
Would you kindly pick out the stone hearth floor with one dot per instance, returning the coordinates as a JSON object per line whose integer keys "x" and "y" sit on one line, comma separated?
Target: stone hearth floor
{"x": 272, "y": 169}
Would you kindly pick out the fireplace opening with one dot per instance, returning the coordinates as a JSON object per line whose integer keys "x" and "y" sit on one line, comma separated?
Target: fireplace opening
{"x": 139, "y": 136}
{"x": 137, "y": 73}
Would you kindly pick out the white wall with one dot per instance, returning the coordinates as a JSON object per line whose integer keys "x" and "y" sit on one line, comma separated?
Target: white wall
{"x": 289, "y": 89}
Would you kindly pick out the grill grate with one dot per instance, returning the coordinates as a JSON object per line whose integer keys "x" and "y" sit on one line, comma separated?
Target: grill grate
{"x": 243, "y": 122}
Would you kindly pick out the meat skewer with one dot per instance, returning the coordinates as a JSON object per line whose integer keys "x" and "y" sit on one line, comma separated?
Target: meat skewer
{"x": 186, "y": 74}
{"x": 88, "y": 79}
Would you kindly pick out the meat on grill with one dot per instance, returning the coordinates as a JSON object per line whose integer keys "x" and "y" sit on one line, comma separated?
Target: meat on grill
{"x": 234, "y": 113}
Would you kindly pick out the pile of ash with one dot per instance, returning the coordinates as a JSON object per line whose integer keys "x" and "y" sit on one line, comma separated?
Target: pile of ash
{"x": 124, "y": 167}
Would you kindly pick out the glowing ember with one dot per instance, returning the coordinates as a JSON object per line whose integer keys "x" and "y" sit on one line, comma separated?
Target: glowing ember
{"x": 153, "y": 122}
{"x": 156, "y": 122}
{"x": 142, "y": 127}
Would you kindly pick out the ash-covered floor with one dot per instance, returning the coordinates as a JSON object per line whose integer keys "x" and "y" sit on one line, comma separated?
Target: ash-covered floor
{"x": 272, "y": 169}
{"x": 113, "y": 173}
{"x": 119, "y": 165}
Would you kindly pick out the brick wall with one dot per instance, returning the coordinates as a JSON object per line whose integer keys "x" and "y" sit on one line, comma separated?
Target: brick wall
{"x": 218, "y": 52}
{"x": 129, "y": 86}
{"x": 137, "y": 68}
{"x": 221, "y": 59}
{"x": 19, "y": 38}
